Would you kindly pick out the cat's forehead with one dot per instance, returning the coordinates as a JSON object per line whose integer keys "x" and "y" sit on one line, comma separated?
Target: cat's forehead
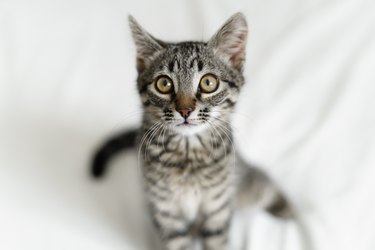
{"x": 188, "y": 47}
{"x": 185, "y": 56}
{"x": 186, "y": 50}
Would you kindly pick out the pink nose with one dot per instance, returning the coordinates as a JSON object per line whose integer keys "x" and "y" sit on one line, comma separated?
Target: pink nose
{"x": 185, "y": 112}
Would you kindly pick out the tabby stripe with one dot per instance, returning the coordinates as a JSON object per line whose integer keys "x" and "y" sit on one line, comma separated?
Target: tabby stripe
{"x": 157, "y": 211}
{"x": 171, "y": 65}
{"x": 187, "y": 150}
{"x": 156, "y": 184}
{"x": 229, "y": 103}
{"x": 200, "y": 65}
{"x": 157, "y": 195}
{"x": 220, "y": 193}
{"x": 198, "y": 159}
{"x": 157, "y": 159}
{"x": 156, "y": 142}
{"x": 144, "y": 87}
{"x": 167, "y": 163}
{"x": 219, "y": 231}
{"x": 214, "y": 184}
{"x": 168, "y": 215}
{"x": 158, "y": 169}
{"x": 213, "y": 173}
{"x": 147, "y": 103}
{"x": 220, "y": 158}
{"x": 169, "y": 149}
{"x": 156, "y": 222}
{"x": 219, "y": 209}
{"x": 205, "y": 233}
{"x": 192, "y": 63}
{"x": 215, "y": 161}
{"x": 201, "y": 141}
{"x": 177, "y": 234}
{"x": 175, "y": 164}
{"x": 232, "y": 84}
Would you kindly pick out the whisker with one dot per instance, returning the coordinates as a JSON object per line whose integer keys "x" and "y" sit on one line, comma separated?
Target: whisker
{"x": 214, "y": 127}
{"x": 228, "y": 133}
{"x": 146, "y": 134}
{"x": 211, "y": 140}
{"x": 151, "y": 137}
{"x": 226, "y": 122}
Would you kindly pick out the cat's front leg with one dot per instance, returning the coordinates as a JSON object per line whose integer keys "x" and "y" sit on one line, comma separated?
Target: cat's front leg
{"x": 215, "y": 225}
{"x": 172, "y": 229}
{"x": 215, "y": 230}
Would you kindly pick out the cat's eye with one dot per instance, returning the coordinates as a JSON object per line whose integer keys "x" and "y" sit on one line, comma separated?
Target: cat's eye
{"x": 164, "y": 85}
{"x": 209, "y": 83}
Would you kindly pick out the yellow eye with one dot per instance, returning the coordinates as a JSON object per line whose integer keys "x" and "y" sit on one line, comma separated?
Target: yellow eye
{"x": 209, "y": 83}
{"x": 164, "y": 85}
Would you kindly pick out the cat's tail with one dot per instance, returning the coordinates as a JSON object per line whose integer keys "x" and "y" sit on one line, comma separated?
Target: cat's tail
{"x": 256, "y": 189}
{"x": 109, "y": 149}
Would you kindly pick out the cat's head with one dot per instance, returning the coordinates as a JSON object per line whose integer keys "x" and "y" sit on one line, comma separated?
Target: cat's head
{"x": 191, "y": 86}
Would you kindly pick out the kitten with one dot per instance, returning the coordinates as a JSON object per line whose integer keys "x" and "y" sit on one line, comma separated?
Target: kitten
{"x": 188, "y": 91}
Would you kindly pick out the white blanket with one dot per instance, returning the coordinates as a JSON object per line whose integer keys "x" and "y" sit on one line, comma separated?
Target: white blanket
{"x": 67, "y": 80}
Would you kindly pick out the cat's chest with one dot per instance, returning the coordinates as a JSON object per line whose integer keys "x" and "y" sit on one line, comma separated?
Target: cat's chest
{"x": 188, "y": 199}
{"x": 187, "y": 167}
{"x": 186, "y": 162}
{"x": 181, "y": 152}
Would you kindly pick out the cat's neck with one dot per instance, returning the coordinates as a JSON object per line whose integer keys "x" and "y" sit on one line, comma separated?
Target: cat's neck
{"x": 210, "y": 146}
{"x": 209, "y": 138}
{"x": 212, "y": 129}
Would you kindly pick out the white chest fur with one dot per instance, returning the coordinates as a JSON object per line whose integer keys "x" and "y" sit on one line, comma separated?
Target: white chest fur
{"x": 189, "y": 200}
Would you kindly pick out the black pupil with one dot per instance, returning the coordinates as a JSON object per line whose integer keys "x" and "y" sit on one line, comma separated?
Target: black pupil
{"x": 208, "y": 82}
{"x": 165, "y": 83}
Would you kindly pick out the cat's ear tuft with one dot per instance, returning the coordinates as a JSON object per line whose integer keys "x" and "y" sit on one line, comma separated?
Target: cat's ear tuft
{"x": 229, "y": 43}
{"x": 146, "y": 44}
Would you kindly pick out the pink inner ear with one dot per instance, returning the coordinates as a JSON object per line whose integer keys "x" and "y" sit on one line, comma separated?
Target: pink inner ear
{"x": 239, "y": 51}
{"x": 140, "y": 64}
{"x": 232, "y": 45}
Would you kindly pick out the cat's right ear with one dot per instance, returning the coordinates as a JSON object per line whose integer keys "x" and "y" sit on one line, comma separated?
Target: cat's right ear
{"x": 229, "y": 43}
{"x": 146, "y": 44}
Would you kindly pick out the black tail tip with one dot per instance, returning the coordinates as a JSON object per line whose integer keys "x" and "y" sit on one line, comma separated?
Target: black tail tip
{"x": 281, "y": 208}
{"x": 97, "y": 169}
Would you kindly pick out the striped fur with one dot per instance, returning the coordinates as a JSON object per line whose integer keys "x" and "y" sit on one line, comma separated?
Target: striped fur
{"x": 188, "y": 161}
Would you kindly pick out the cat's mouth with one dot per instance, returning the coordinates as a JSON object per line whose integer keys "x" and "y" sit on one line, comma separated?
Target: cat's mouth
{"x": 186, "y": 123}
{"x": 189, "y": 126}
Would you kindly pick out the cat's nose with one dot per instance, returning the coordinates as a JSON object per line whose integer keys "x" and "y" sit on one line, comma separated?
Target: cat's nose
{"x": 185, "y": 112}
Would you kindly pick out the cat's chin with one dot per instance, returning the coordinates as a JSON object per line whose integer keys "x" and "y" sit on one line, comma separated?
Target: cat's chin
{"x": 189, "y": 129}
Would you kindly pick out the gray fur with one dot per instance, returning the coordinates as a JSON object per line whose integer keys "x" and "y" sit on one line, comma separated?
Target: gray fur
{"x": 188, "y": 171}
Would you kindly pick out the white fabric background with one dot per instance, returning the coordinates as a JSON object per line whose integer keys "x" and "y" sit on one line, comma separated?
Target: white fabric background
{"x": 67, "y": 72}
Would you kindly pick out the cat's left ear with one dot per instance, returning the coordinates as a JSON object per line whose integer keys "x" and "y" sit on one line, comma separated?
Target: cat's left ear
{"x": 146, "y": 44}
{"x": 229, "y": 43}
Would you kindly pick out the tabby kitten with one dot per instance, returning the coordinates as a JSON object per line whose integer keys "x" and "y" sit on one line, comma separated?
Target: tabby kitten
{"x": 188, "y": 91}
